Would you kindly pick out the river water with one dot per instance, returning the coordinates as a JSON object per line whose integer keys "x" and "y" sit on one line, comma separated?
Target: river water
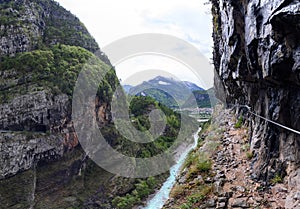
{"x": 160, "y": 197}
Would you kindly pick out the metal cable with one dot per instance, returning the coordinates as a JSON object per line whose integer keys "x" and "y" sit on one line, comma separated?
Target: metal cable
{"x": 266, "y": 119}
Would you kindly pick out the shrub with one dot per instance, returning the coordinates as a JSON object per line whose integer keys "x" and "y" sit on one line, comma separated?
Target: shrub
{"x": 192, "y": 156}
{"x": 239, "y": 123}
{"x": 245, "y": 147}
{"x": 249, "y": 155}
{"x": 177, "y": 191}
{"x": 199, "y": 164}
{"x": 126, "y": 202}
{"x": 277, "y": 179}
{"x": 186, "y": 206}
{"x": 204, "y": 166}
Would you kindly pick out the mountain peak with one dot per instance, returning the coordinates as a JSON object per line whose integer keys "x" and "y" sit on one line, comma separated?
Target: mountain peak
{"x": 171, "y": 92}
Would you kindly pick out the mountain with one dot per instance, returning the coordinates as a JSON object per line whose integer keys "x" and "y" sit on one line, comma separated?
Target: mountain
{"x": 127, "y": 88}
{"x": 43, "y": 48}
{"x": 192, "y": 86}
{"x": 160, "y": 81}
{"x": 173, "y": 93}
{"x": 204, "y": 99}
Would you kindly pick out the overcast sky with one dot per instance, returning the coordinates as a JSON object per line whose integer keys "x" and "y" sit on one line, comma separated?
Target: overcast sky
{"x": 111, "y": 20}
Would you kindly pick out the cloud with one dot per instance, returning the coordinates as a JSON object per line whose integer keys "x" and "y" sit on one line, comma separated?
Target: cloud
{"x": 142, "y": 68}
{"x": 191, "y": 24}
{"x": 111, "y": 20}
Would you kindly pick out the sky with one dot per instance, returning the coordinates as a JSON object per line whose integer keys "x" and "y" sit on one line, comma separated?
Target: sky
{"x": 109, "y": 21}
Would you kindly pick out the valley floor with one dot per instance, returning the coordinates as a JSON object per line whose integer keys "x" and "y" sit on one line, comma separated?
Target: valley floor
{"x": 218, "y": 172}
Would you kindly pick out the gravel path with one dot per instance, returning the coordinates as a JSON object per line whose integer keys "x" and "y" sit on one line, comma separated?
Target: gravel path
{"x": 232, "y": 183}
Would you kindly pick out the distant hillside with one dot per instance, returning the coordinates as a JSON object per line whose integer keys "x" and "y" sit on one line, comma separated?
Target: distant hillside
{"x": 173, "y": 93}
{"x": 127, "y": 88}
{"x": 192, "y": 86}
{"x": 204, "y": 98}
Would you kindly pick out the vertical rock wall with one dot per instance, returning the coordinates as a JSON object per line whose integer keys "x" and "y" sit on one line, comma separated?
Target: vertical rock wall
{"x": 41, "y": 164}
{"x": 27, "y": 102}
{"x": 257, "y": 62}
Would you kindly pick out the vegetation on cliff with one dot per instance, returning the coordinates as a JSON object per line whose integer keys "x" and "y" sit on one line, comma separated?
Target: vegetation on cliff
{"x": 43, "y": 49}
{"x": 56, "y": 68}
{"x": 39, "y": 24}
{"x": 140, "y": 107}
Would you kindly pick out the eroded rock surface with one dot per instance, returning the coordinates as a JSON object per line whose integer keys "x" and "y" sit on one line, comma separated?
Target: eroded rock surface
{"x": 256, "y": 56}
{"x": 19, "y": 151}
{"x": 40, "y": 156}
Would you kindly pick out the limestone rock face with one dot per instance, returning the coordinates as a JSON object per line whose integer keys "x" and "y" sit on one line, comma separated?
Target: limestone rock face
{"x": 19, "y": 151}
{"x": 43, "y": 48}
{"x": 28, "y": 25}
{"x": 29, "y": 103}
{"x": 35, "y": 111}
{"x": 256, "y": 56}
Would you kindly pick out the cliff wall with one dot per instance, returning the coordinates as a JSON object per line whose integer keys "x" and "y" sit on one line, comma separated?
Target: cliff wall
{"x": 43, "y": 48}
{"x": 257, "y": 62}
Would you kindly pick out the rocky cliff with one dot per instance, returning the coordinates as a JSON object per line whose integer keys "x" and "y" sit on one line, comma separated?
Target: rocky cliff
{"x": 28, "y": 25}
{"x": 257, "y": 62}
{"x": 43, "y": 48}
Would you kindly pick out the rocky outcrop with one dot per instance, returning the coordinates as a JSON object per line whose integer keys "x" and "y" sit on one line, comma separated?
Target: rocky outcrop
{"x": 37, "y": 39}
{"x": 28, "y": 25}
{"x": 19, "y": 151}
{"x": 256, "y": 56}
{"x": 43, "y": 48}
{"x": 31, "y": 100}
{"x": 36, "y": 111}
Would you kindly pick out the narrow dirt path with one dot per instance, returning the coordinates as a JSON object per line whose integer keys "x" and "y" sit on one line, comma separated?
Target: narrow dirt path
{"x": 230, "y": 176}
{"x": 233, "y": 161}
